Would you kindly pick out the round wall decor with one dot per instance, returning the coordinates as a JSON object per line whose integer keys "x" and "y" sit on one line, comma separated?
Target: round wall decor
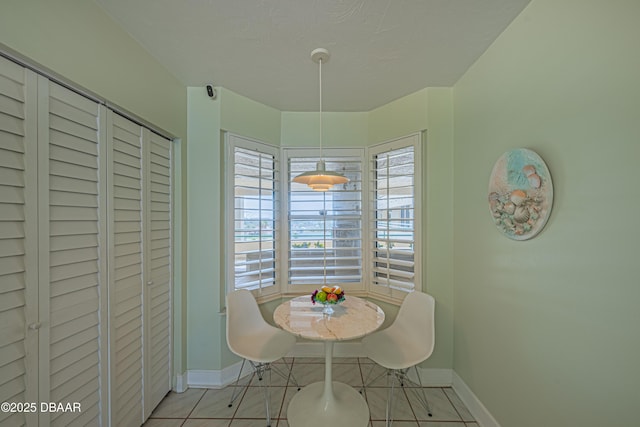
{"x": 520, "y": 194}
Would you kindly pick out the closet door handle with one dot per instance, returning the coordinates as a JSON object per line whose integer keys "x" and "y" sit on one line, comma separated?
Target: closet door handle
{"x": 150, "y": 282}
{"x": 35, "y": 326}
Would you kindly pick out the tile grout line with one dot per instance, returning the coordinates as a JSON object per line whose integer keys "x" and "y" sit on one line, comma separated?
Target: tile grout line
{"x": 279, "y": 410}
{"x": 455, "y": 408}
{"x": 194, "y": 406}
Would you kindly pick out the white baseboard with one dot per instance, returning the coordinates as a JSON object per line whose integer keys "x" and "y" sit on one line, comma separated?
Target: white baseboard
{"x": 197, "y": 378}
{"x": 432, "y": 377}
{"x": 181, "y": 383}
{"x": 481, "y": 414}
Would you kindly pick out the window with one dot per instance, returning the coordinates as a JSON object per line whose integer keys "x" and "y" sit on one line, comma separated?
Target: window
{"x": 395, "y": 210}
{"x": 325, "y": 228}
{"x": 253, "y": 176}
{"x": 283, "y": 237}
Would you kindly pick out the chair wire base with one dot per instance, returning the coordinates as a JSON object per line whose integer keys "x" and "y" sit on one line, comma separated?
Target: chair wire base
{"x": 399, "y": 375}
{"x": 259, "y": 370}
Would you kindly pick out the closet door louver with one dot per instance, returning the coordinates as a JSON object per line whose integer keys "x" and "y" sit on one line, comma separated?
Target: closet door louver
{"x": 125, "y": 271}
{"x": 158, "y": 271}
{"x": 72, "y": 248}
{"x": 85, "y": 196}
{"x": 18, "y": 241}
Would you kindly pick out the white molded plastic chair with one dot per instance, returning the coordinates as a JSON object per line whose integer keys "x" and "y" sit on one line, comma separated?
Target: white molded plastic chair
{"x": 406, "y": 343}
{"x": 252, "y": 338}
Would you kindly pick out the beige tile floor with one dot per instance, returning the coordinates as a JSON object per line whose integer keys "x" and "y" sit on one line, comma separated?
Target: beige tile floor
{"x": 209, "y": 407}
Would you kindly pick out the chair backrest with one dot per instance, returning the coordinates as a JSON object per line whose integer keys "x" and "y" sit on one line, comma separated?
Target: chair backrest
{"x": 243, "y": 317}
{"x": 416, "y": 322}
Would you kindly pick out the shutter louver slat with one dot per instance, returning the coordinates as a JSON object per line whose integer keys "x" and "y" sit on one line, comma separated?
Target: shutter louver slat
{"x": 11, "y": 161}
{"x": 65, "y": 345}
{"x": 11, "y": 371}
{"x": 69, "y": 329}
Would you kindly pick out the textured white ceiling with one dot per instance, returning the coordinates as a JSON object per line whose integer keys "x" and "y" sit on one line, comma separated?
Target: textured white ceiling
{"x": 380, "y": 50}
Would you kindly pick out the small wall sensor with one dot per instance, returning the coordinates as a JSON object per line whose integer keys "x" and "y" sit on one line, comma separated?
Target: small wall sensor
{"x": 211, "y": 92}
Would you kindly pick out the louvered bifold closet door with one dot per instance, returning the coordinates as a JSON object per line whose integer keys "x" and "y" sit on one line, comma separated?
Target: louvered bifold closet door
{"x": 72, "y": 254}
{"x": 125, "y": 270}
{"x": 18, "y": 241}
{"x": 158, "y": 270}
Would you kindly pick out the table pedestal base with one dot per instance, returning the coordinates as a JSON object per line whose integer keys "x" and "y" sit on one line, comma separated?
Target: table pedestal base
{"x": 308, "y": 409}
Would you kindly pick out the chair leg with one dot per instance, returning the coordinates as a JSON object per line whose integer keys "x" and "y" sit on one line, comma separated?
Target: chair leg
{"x": 293, "y": 379}
{"x": 286, "y": 375}
{"x": 401, "y": 376}
{"x": 366, "y": 381}
{"x": 390, "y": 378}
{"x": 236, "y": 392}
{"x": 267, "y": 398}
{"x": 261, "y": 369}
{"x": 424, "y": 400}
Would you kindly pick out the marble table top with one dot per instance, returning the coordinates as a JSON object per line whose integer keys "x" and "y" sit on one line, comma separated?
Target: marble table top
{"x": 352, "y": 319}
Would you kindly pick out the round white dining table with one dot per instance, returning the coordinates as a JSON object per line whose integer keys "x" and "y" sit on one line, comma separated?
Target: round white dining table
{"x": 328, "y": 403}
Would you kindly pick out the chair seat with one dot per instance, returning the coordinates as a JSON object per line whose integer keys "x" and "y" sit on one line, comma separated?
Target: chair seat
{"x": 264, "y": 345}
{"x": 392, "y": 350}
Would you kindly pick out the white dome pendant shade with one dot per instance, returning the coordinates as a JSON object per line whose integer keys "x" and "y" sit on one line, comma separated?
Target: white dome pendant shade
{"x": 320, "y": 179}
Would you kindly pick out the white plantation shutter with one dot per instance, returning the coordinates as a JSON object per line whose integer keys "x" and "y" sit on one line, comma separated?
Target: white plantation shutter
{"x": 254, "y": 231}
{"x": 126, "y": 275}
{"x": 71, "y": 261}
{"x": 395, "y": 210}
{"x": 325, "y": 228}
{"x": 18, "y": 241}
{"x": 158, "y": 271}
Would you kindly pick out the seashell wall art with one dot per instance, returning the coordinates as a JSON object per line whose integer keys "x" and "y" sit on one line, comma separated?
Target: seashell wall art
{"x": 520, "y": 194}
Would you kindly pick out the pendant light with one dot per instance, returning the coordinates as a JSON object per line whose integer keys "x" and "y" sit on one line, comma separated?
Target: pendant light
{"x": 320, "y": 179}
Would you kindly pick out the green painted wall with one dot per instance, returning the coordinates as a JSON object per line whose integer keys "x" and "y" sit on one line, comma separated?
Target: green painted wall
{"x": 76, "y": 40}
{"x": 246, "y": 117}
{"x": 437, "y": 220}
{"x": 300, "y": 129}
{"x": 546, "y": 329}
{"x": 204, "y": 170}
{"x": 208, "y": 119}
{"x": 400, "y": 117}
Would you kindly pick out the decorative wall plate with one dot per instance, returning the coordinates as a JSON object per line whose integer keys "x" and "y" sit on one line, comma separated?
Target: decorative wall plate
{"x": 520, "y": 194}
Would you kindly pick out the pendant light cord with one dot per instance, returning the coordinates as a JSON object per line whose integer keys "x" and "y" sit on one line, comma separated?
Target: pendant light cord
{"x": 324, "y": 196}
{"x": 320, "y": 86}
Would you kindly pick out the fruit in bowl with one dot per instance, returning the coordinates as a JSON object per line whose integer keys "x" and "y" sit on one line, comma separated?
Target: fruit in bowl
{"x": 328, "y": 295}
